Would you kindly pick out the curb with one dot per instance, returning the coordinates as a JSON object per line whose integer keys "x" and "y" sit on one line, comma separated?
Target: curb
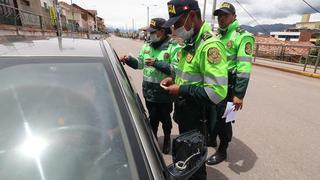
{"x": 308, "y": 74}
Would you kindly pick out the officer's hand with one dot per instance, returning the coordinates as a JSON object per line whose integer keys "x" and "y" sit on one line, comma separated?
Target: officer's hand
{"x": 173, "y": 89}
{"x": 150, "y": 62}
{"x": 166, "y": 82}
{"x": 124, "y": 58}
{"x": 238, "y": 103}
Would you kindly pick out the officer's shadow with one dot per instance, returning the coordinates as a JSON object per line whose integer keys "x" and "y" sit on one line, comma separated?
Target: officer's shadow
{"x": 240, "y": 157}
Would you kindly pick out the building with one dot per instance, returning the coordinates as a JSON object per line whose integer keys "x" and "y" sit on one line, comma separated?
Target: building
{"x": 88, "y": 18}
{"x": 100, "y": 23}
{"x": 286, "y": 36}
{"x": 304, "y": 31}
{"x": 30, "y": 12}
{"x": 307, "y": 24}
{"x": 70, "y": 17}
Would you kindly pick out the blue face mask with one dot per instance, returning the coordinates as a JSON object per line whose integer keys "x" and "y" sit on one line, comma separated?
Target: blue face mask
{"x": 183, "y": 33}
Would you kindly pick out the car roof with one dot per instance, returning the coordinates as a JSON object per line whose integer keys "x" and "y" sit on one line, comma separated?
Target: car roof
{"x": 52, "y": 47}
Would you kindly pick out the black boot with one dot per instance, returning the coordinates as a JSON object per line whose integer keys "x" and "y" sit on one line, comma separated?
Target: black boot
{"x": 217, "y": 157}
{"x": 212, "y": 143}
{"x": 166, "y": 144}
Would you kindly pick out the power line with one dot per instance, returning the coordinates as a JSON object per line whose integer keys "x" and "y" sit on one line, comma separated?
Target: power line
{"x": 311, "y": 6}
{"x": 254, "y": 19}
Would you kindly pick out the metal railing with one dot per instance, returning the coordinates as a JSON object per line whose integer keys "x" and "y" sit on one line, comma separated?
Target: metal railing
{"x": 21, "y": 18}
{"x": 303, "y": 56}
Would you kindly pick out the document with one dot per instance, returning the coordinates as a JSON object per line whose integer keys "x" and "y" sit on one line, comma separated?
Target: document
{"x": 229, "y": 113}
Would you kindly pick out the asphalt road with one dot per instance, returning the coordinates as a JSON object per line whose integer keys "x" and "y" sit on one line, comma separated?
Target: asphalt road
{"x": 277, "y": 134}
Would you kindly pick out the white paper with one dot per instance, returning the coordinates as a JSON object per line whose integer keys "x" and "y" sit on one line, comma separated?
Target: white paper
{"x": 229, "y": 113}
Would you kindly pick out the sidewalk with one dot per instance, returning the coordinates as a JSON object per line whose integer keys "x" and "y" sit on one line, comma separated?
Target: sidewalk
{"x": 287, "y": 67}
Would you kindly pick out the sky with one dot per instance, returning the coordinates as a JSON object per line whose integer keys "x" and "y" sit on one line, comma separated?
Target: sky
{"x": 127, "y": 14}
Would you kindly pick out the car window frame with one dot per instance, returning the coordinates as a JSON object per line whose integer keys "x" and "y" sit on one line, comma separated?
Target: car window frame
{"x": 138, "y": 103}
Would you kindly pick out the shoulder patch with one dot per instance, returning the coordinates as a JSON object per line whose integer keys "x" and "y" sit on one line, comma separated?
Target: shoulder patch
{"x": 179, "y": 55}
{"x": 248, "y": 48}
{"x": 189, "y": 57}
{"x": 166, "y": 56}
{"x": 229, "y": 44}
{"x": 214, "y": 55}
{"x": 146, "y": 51}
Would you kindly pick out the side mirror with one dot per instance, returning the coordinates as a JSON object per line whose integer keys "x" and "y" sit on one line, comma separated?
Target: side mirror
{"x": 189, "y": 153}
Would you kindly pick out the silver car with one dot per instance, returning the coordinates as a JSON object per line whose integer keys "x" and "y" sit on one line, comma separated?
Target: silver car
{"x": 69, "y": 112}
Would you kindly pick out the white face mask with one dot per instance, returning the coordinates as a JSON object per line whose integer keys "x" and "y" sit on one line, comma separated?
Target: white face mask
{"x": 154, "y": 38}
{"x": 183, "y": 33}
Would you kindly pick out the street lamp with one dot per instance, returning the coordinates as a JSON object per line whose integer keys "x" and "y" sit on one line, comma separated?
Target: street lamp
{"x": 148, "y": 7}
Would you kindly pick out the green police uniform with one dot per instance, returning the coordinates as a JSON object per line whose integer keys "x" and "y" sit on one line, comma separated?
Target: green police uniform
{"x": 203, "y": 78}
{"x": 166, "y": 58}
{"x": 239, "y": 45}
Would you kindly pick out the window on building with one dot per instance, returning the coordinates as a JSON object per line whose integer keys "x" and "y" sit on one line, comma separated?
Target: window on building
{"x": 45, "y": 5}
{"x": 25, "y": 2}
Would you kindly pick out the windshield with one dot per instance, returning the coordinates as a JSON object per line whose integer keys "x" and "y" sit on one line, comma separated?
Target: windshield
{"x": 60, "y": 121}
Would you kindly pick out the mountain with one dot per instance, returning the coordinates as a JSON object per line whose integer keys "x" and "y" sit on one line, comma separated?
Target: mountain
{"x": 267, "y": 28}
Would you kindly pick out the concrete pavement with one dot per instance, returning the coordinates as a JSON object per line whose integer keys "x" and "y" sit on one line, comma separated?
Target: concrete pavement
{"x": 277, "y": 133}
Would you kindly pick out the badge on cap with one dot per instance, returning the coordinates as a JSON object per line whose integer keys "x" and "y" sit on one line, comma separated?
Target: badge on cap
{"x": 166, "y": 56}
{"x": 153, "y": 23}
{"x": 189, "y": 57}
{"x": 229, "y": 44}
{"x": 225, "y": 5}
{"x": 213, "y": 55}
{"x": 248, "y": 48}
{"x": 171, "y": 9}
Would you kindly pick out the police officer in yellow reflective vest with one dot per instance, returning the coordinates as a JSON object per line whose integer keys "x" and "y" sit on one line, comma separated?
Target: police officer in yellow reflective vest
{"x": 201, "y": 76}
{"x": 239, "y": 44}
{"x": 157, "y": 58}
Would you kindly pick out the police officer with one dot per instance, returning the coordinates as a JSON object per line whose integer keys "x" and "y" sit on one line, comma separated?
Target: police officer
{"x": 201, "y": 75}
{"x": 157, "y": 58}
{"x": 239, "y": 45}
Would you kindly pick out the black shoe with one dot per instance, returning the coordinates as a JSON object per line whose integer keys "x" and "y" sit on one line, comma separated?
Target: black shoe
{"x": 166, "y": 145}
{"x": 217, "y": 158}
{"x": 212, "y": 143}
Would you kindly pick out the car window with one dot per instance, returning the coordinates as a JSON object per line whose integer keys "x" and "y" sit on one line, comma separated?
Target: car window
{"x": 61, "y": 121}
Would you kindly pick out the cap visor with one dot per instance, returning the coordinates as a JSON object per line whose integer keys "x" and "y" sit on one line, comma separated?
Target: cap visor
{"x": 151, "y": 30}
{"x": 221, "y": 11}
{"x": 171, "y": 21}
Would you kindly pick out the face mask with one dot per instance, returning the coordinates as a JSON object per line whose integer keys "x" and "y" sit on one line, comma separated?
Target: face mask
{"x": 183, "y": 33}
{"x": 154, "y": 38}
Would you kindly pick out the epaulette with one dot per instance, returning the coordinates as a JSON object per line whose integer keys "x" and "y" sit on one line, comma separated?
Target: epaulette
{"x": 206, "y": 36}
{"x": 240, "y": 30}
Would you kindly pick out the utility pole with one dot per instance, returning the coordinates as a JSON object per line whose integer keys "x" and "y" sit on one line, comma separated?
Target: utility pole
{"x": 204, "y": 10}
{"x": 214, "y": 6}
{"x": 148, "y": 8}
{"x": 58, "y": 20}
{"x": 132, "y": 25}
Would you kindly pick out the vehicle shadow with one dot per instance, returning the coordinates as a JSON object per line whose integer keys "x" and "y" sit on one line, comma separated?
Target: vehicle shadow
{"x": 241, "y": 158}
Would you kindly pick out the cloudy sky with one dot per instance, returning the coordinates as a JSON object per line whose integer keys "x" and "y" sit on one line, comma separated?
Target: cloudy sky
{"x": 121, "y": 13}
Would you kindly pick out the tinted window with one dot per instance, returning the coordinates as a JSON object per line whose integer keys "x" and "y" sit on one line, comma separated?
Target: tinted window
{"x": 61, "y": 121}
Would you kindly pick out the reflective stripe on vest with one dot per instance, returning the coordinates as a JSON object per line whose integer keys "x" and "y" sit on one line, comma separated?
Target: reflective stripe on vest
{"x": 204, "y": 79}
{"x": 215, "y": 98}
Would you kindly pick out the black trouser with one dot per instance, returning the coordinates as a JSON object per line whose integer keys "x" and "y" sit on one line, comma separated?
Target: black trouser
{"x": 160, "y": 112}
{"x": 188, "y": 115}
{"x": 222, "y": 129}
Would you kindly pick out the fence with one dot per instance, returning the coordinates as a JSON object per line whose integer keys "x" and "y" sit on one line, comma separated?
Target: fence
{"x": 20, "y": 18}
{"x": 304, "y": 56}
